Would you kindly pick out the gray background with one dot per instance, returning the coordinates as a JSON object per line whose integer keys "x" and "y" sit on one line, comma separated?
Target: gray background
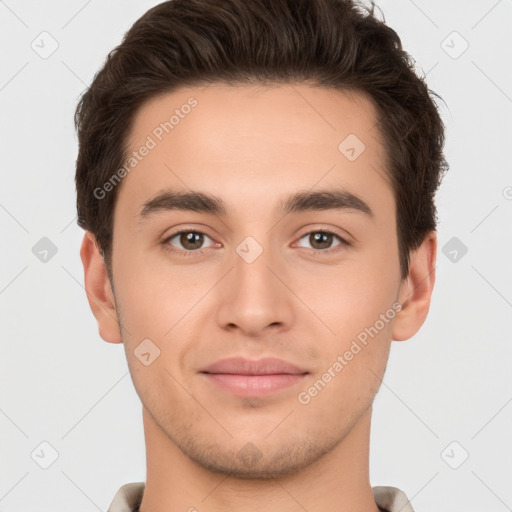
{"x": 447, "y": 392}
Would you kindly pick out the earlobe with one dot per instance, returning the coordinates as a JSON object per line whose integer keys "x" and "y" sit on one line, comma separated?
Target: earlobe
{"x": 416, "y": 290}
{"x": 99, "y": 291}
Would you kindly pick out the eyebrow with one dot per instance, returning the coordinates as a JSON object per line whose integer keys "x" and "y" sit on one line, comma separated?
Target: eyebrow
{"x": 195, "y": 201}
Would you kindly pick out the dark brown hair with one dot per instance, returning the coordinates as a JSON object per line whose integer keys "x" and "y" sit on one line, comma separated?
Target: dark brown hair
{"x": 333, "y": 43}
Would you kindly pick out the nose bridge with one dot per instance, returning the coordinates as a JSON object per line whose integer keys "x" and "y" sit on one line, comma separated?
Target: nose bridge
{"x": 254, "y": 258}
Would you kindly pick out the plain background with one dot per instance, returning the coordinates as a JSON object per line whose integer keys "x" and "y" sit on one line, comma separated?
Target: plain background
{"x": 442, "y": 418}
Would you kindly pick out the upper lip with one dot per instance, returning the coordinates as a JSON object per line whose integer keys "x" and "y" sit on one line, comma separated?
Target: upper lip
{"x": 264, "y": 366}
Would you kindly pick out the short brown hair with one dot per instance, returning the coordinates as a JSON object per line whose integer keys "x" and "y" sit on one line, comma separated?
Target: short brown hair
{"x": 333, "y": 43}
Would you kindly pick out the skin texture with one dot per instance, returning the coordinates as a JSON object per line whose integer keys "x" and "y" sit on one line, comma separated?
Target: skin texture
{"x": 253, "y": 147}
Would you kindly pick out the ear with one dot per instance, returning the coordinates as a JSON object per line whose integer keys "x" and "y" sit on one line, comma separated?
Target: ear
{"x": 99, "y": 291}
{"x": 416, "y": 290}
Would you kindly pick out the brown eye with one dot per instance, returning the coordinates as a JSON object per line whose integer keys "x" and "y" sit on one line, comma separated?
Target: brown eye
{"x": 323, "y": 240}
{"x": 188, "y": 240}
{"x": 320, "y": 240}
{"x": 191, "y": 240}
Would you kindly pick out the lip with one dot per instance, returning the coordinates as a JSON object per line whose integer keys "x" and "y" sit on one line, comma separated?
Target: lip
{"x": 246, "y": 377}
{"x": 243, "y": 366}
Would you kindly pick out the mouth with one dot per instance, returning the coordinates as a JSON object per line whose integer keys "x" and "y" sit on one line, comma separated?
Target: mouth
{"x": 253, "y": 378}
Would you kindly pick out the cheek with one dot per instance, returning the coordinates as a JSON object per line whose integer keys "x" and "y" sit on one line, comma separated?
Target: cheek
{"x": 156, "y": 296}
{"x": 162, "y": 304}
{"x": 343, "y": 390}
{"x": 350, "y": 298}
{"x": 352, "y": 362}
{"x": 356, "y": 306}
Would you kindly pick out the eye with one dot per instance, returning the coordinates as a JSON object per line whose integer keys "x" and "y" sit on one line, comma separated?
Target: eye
{"x": 322, "y": 240}
{"x": 190, "y": 241}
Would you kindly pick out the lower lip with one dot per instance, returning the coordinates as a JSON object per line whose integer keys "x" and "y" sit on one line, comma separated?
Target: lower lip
{"x": 254, "y": 385}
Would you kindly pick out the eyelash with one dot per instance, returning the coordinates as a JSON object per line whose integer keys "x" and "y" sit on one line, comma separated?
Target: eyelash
{"x": 167, "y": 247}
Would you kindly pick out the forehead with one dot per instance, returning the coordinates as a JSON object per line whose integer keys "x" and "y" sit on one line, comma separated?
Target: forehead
{"x": 252, "y": 141}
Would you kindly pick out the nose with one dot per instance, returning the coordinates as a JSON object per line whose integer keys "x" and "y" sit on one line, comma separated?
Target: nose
{"x": 255, "y": 296}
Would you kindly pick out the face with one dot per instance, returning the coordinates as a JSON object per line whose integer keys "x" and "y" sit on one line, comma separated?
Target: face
{"x": 254, "y": 274}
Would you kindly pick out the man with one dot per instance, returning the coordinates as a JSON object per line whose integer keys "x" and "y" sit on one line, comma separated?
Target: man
{"x": 257, "y": 180}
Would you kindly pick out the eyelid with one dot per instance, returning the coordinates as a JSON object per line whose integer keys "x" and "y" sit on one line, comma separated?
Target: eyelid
{"x": 174, "y": 234}
{"x": 342, "y": 239}
{"x": 343, "y": 234}
{"x": 344, "y": 243}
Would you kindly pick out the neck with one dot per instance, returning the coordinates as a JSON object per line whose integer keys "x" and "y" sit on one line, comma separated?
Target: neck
{"x": 337, "y": 481}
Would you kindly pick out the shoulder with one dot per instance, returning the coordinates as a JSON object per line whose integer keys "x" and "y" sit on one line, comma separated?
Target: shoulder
{"x": 127, "y": 498}
{"x": 391, "y": 499}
